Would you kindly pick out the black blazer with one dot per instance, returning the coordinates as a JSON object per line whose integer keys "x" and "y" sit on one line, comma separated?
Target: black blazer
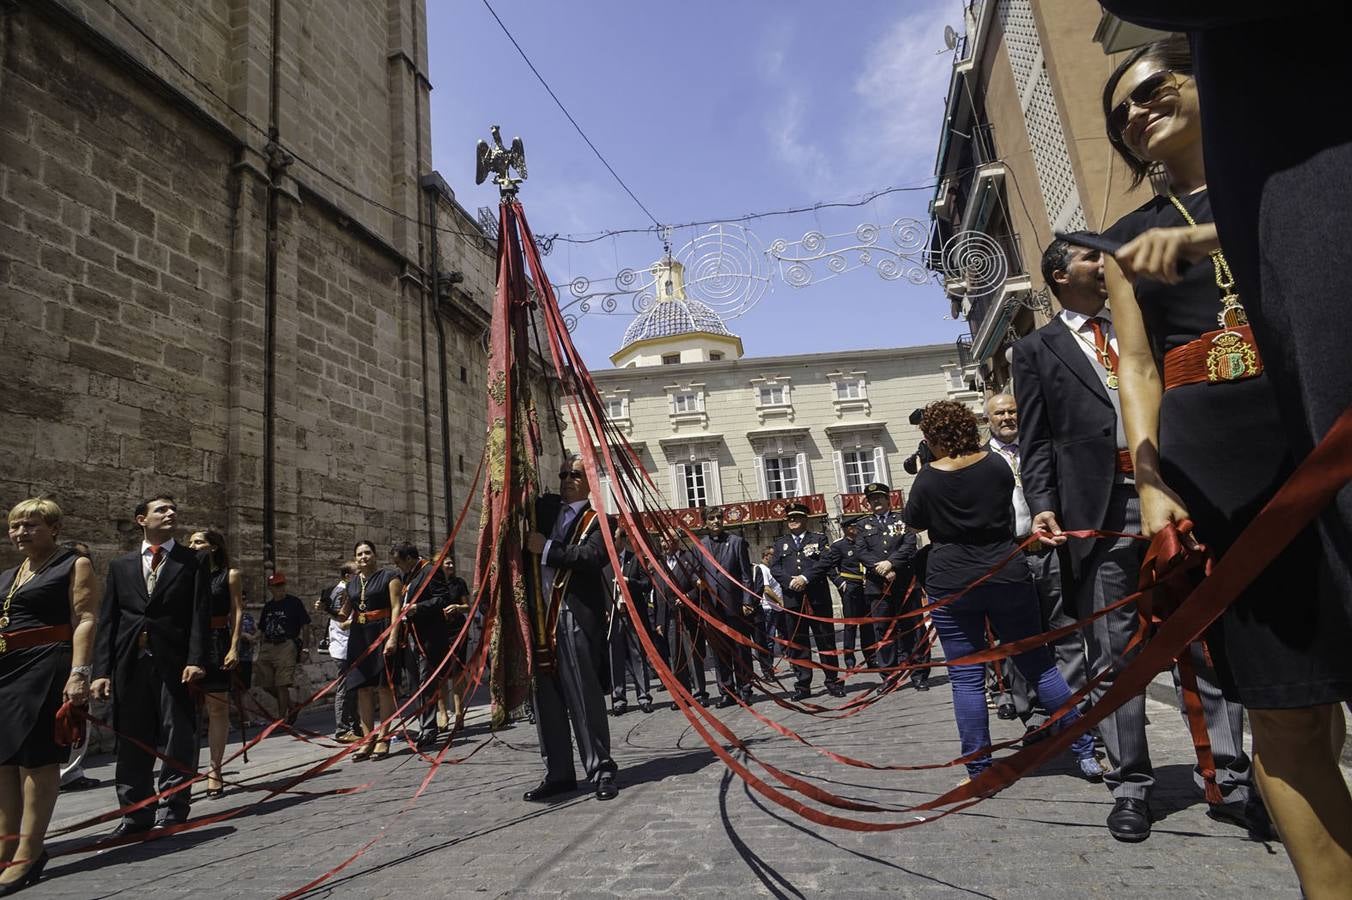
{"x": 877, "y": 542}
{"x": 428, "y": 615}
{"x": 176, "y": 618}
{"x": 733, "y": 555}
{"x": 685, "y": 576}
{"x": 1067, "y": 431}
{"x": 786, "y": 561}
{"x": 587, "y": 593}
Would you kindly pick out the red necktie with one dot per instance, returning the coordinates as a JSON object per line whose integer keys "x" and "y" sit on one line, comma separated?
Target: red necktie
{"x": 155, "y": 554}
{"x": 1105, "y": 350}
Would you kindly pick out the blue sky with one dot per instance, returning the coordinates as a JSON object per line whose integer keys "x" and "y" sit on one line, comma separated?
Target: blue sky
{"x": 709, "y": 111}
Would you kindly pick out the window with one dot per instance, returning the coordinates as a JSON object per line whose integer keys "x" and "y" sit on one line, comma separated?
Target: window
{"x": 685, "y": 402}
{"x": 772, "y": 395}
{"x": 781, "y": 477}
{"x": 859, "y": 470}
{"x": 617, "y": 408}
{"x": 693, "y": 483}
{"x": 670, "y": 359}
{"x": 715, "y": 355}
{"x": 849, "y": 390}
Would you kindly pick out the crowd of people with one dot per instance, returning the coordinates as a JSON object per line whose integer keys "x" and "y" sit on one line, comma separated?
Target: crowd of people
{"x": 1124, "y": 417}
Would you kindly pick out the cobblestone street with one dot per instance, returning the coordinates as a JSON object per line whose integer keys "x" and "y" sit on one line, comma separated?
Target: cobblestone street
{"x": 683, "y": 825}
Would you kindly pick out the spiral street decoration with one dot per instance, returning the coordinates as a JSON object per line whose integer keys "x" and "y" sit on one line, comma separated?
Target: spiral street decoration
{"x": 839, "y": 253}
{"x": 973, "y": 263}
{"x": 727, "y": 268}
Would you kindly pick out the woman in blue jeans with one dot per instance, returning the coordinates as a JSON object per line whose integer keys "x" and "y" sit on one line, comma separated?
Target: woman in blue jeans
{"x": 963, "y": 499}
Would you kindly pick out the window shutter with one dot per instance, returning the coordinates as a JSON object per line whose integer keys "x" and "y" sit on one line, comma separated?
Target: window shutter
{"x": 880, "y": 465}
{"x": 677, "y": 487}
{"x": 838, "y": 459}
{"x": 761, "y": 481}
{"x": 699, "y": 400}
{"x": 713, "y": 485}
{"x": 804, "y": 474}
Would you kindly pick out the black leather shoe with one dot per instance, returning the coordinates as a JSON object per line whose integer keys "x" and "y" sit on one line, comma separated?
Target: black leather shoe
{"x": 127, "y": 829}
{"x": 726, "y": 702}
{"x": 1250, "y": 815}
{"x": 922, "y": 684}
{"x": 1007, "y": 712}
{"x": 849, "y": 660}
{"x": 674, "y": 706}
{"x": 836, "y": 689}
{"x": 548, "y": 789}
{"x": 30, "y": 878}
{"x": 167, "y": 822}
{"x": 605, "y": 786}
{"x": 619, "y": 708}
{"x": 428, "y": 742}
{"x": 645, "y": 705}
{"x": 802, "y": 693}
{"x": 1130, "y": 820}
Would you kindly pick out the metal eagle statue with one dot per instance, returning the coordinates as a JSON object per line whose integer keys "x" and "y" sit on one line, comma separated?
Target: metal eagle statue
{"x": 499, "y": 160}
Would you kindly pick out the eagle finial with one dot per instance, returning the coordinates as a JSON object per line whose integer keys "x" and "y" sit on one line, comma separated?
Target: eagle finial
{"x": 499, "y": 160}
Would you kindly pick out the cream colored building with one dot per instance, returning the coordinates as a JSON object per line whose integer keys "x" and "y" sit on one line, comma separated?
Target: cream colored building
{"x": 716, "y": 428}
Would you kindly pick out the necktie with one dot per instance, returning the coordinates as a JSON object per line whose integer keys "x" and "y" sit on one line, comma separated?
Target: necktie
{"x": 155, "y": 554}
{"x": 561, "y": 527}
{"x": 1105, "y": 350}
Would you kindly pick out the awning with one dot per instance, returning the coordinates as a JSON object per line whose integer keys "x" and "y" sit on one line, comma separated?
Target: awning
{"x": 991, "y": 334}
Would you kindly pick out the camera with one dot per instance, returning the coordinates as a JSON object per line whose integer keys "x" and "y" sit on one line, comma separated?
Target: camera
{"x": 922, "y": 455}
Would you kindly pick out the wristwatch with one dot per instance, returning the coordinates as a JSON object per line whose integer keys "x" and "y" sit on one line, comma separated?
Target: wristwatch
{"x": 86, "y": 671}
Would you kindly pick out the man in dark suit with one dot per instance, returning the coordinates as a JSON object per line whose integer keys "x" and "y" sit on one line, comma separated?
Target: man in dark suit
{"x": 676, "y": 624}
{"x": 429, "y": 636}
{"x": 887, "y": 551}
{"x": 626, "y": 652}
{"x": 841, "y": 564}
{"x": 731, "y": 602}
{"x": 152, "y": 643}
{"x": 794, "y": 563}
{"x": 572, "y": 558}
{"x": 1076, "y": 474}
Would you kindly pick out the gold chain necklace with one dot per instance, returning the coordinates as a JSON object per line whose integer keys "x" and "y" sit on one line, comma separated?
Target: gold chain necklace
{"x": 1232, "y": 313}
{"x": 361, "y": 603}
{"x": 1102, "y": 356}
{"x": 21, "y": 577}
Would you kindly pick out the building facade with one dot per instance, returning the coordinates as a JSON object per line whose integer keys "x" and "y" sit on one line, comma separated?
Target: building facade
{"x": 750, "y": 434}
{"x": 229, "y": 272}
{"x": 1023, "y": 153}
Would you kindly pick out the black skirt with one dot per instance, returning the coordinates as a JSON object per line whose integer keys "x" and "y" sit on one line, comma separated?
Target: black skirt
{"x": 31, "y": 683}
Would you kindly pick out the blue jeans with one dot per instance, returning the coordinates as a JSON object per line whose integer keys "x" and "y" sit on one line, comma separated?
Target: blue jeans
{"x": 1014, "y": 613}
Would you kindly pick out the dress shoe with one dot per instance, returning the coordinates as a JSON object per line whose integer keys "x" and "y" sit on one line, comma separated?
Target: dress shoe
{"x": 380, "y": 750}
{"x": 83, "y": 783}
{"x": 849, "y": 660}
{"x": 605, "y": 786}
{"x": 801, "y": 693}
{"x": 29, "y": 878}
{"x": 726, "y": 702}
{"x": 1091, "y": 770}
{"x": 836, "y": 689}
{"x": 1035, "y": 734}
{"x": 428, "y": 741}
{"x": 547, "y": 789}
{"x": 674, "y": 706}
{"x": 1250, "y": 815}
{"x": 127, "y": 829}
{"x": 645, "y": 705}
{"x": 922, "y": 683}
{"x": 1006, "y": 711}
{"x": 1130, "y": 820}
{"x": 346, "y": 737}
{"x": 168, "y": 822}
{"x": 619, "y": 708}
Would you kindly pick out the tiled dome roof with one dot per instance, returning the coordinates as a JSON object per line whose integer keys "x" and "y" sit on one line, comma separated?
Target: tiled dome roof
{"x": 674, "y": 316}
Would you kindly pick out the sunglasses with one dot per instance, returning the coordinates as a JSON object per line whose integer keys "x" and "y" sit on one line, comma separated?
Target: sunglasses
{"x": 1147, "y": 92}
{"x": 576, "y": 476}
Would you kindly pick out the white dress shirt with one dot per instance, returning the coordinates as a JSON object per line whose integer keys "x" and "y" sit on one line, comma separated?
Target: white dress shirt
{"x": 1023, "y": 518}
{"x": 148, "y": 549}
{"x": 1078, "y": 323}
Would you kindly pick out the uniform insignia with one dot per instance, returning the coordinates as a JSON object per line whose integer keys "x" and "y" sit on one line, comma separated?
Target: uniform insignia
{"x": 786, "y": 548}
{"x": 810, "y": 549}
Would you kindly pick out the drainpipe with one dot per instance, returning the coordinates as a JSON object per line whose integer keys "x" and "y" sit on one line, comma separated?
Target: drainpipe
{"x": 277, "y": 162}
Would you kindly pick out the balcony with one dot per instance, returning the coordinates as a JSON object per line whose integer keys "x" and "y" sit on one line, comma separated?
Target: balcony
{"x": 747, "y": 512}
{"x": 857, "y": 504}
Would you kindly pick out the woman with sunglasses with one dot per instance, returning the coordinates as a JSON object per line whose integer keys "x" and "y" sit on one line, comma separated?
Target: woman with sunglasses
{"x": 227, "y": 614}
{"x": 1208, "y": 445}
{"x": 373, "y": 599}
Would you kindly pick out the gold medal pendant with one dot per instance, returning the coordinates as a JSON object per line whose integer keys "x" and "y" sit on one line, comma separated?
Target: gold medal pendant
{"x": 4, "y": 621}
{"x": 1112, "y": 381}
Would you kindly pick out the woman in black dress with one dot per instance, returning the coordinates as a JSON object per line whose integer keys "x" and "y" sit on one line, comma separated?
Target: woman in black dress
{"x": 50, "y": 605}
{"x": 962, "y": 500}
{"x": 1209, "y": 445}
{"x": 227, "y": 613}
{"x": 373, "y": 599}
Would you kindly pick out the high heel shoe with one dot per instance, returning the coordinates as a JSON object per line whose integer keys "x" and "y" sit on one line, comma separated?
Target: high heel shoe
{"x": 30, "y": 878}
{"x": 363, "y": 753}
{"x": 382, "y": 750}
{"x": 215, "y": 788}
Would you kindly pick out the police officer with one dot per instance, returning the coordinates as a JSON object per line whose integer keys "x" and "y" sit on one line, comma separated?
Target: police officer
{"x": 794, "y": 565}
{"x": 887, "y": 551}
{"x": 842, "y": 565}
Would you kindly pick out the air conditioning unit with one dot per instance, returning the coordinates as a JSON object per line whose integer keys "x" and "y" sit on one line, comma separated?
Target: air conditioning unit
{"x": 941, "y": 205}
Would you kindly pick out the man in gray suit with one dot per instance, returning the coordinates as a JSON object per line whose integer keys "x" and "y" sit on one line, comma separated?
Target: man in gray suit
{"x": 571, "y": 554}
{"x": 1077, "y": 473}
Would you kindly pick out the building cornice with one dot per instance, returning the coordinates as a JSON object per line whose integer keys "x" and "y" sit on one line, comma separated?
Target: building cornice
{"x": 834, "y": 358}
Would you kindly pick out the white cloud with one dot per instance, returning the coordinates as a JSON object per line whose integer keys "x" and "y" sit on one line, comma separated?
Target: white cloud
{"x": 805, "y": 157}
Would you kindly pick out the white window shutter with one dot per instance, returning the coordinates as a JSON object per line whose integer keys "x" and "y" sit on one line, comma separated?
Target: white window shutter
{"x": 759, "y": 462}
{"x": 788, "y": 399}
{"x": 804, "y": 474}
{"x": 838, "y": 460}
{"x": 880, "y": 465}
{"x": 677, "y": 487}
{"x": 699, "y": 399}
{"x": 713, "y": 483}
{"x": 863, "y": 389}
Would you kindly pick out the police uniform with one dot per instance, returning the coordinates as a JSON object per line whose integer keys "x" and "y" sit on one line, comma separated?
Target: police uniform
{"x": 884, "y": 537}
{"x": 794, "y": 555}
{"x": 842, "y": 565}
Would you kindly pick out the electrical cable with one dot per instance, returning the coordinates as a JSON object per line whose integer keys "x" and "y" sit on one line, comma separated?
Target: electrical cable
{"x": 568, "y": 115}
